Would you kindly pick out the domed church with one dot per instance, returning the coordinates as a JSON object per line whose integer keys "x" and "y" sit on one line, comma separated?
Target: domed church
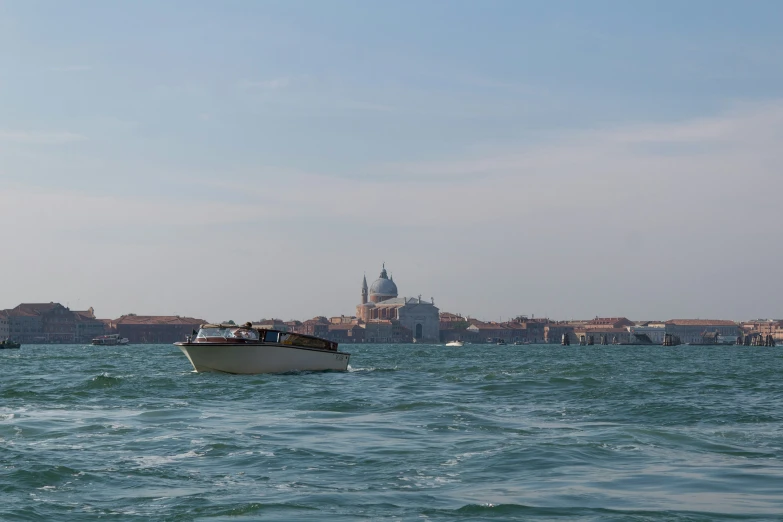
{"x": 380, "y": 303}
{"x": 381, "y": 290}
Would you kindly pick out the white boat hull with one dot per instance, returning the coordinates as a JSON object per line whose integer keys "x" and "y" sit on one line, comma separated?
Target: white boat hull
{"x": 261, "y": 358}
{"x": 454, "y": 343}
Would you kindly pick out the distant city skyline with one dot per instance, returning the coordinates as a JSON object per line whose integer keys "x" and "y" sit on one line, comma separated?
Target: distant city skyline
{"x": 241, "y": 160}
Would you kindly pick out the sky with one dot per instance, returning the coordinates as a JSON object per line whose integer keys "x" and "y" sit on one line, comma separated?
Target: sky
{"x": 250, "y": 159}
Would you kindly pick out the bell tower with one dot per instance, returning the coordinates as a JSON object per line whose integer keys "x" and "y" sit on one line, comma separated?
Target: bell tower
{"x": 364, "y": 290}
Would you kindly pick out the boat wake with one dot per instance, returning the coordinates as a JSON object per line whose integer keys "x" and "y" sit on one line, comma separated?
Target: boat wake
{"x": 370, "y": 369}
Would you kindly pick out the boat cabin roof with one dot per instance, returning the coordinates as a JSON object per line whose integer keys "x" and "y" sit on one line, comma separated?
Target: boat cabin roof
{"x": 247, "y": 326}
{"x": 289, "y": 338}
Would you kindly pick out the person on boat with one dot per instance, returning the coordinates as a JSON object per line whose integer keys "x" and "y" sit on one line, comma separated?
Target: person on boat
{"x": 245, "y": 334}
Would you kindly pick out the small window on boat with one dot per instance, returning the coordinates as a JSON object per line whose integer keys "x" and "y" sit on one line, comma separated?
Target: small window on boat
{"x": 271, "y": 337}
{"x": 213, "y": 332}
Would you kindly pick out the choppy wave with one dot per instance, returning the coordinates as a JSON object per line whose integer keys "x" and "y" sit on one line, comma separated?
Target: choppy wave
{"x": 409, "y": 433}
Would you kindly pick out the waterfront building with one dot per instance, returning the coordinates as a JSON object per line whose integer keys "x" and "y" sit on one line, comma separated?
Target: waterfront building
{"x": 344, "y": 319}
{"x": 533, "y": 328}
{"x": 487, "y": 332}
{"x": 536, "y": 329}
{"x": 553, "y": 332}
{"x": 5, "y": 331}
{"x": 345, "y": 333}
{"x": 25, "y": 325}
{"x": 379, "y": 331}
{"x": 447, "y": 317}
{"x": 154, "y": 328}
{"x": 696, "y": 331}
{"x": 293, "y": 326}
{"x": 608, "y": 322}
{"x": 380, "y": 302}
{"x": 453, "y": 327}
{"x": 612, "y": 335}
{"x": 317, "y": 326}
{"x": 655, "y": 331}
{"x": 764, "y": 327}
{"x": 519, "y": 329}
{"x": 515, "y": 331}
{"x": 88, "y": 327}
{"x": 613, "y": 329}
{"x": 273, "y": 324}
{"x": 52, "y": 323}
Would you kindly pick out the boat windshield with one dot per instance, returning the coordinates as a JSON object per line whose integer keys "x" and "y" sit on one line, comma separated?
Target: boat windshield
{"x": 228, "y": 333}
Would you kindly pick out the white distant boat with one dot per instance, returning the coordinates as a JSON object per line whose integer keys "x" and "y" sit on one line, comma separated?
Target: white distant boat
{"x": 455, "y": 343}
{"x": 110, "y": 340}
{"x": 247, "y": 349}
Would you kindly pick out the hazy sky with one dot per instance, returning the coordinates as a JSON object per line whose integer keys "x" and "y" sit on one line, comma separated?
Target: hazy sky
{"x": 248, "y": 159}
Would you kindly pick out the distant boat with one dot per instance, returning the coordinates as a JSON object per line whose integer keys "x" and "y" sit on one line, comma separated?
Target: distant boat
{"x": 110, "y": 340}
{"x": 455, "y": 343}
{"x": 501, "y": 342}
{"x": 8, "y": 344}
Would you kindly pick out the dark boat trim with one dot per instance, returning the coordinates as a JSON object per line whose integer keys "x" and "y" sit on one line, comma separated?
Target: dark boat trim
{"x": 277, "y": 345}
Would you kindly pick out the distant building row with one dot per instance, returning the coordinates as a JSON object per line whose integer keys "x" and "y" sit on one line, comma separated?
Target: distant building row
{"x": 352, "y": 329}
{"x": 618, "y": 330}
{"x": 389, "y": 320}
{"x": 54, "y": 323}
{"x": 49, "y": 323}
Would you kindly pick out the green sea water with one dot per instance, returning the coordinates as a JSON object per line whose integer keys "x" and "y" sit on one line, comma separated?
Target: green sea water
{"x": 411, "y": 432}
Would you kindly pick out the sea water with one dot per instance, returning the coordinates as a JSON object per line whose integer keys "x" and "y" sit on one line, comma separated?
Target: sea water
{"x": 411, "y": 432}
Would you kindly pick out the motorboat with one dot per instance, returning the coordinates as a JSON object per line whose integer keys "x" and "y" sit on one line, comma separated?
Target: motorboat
{"x": 501, "y": 342}
{"x": 249, "y": 349}
{"x": 110, "y": 340}
{"x": 8, "y": 344}
{"x": 455, "y": 343}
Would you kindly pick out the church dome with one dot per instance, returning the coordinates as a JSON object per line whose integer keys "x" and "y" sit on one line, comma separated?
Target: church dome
{"x": 383, "y": 286}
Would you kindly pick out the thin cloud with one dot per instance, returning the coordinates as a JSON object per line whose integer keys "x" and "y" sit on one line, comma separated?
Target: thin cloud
{"x": 71, "y": 68}
{"x": 36, "y": 137}
{"x": 754, "y": 129}
{"x": 272, "y": 84}
{"x": 368, "y": 106}
{"x": 600, "y": 172}
{"x": 79, "y": 210}
{"x": 589, "y": 216}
